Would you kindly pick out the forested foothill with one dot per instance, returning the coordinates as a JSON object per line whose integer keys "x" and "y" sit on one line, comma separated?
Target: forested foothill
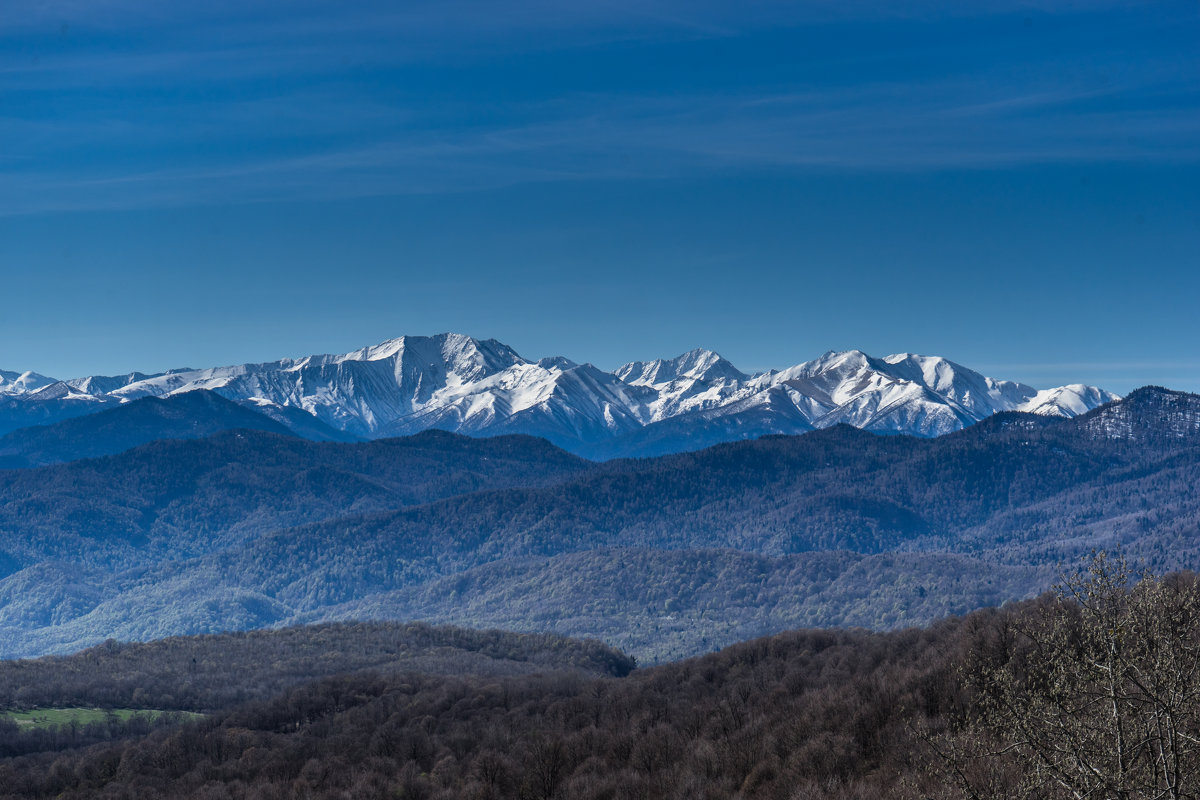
{"x": 203, "y": 674}
{"x": 191, "y": 415}
{"x": 664, "y": 557}
{"x": 1091, "y": 691}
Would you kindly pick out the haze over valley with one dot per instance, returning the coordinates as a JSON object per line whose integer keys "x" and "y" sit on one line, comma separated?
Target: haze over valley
{"x": 848, "y": 490}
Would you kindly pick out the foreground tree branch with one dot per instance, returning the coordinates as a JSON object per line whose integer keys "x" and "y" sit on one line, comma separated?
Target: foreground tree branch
{"x": 1094, "y": 695}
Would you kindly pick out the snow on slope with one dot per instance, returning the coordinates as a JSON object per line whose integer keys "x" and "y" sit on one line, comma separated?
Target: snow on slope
{"x": 483, "y": 387}
{"x": 1067, "y": 401}
{"x": 696, "y": 380}
{"x": 22, "y": 382}
{"x": 358, "y": 392}
{"x": 903, "y": 393}
{"x": 921, "y": 395}
{"x": 557, "y": 399}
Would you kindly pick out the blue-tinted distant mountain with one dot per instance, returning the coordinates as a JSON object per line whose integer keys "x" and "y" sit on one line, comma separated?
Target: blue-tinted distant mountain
{"x": 666, "y": 605}
{"x": 1151, "y": 415}
{"x": 484, "y": 388}
{"x": 761, "y": 414}
{"x": 250, "y": 529}
{"x": 174, "y": 497}
{"x": 190, "y": 415}
{"x": 53, "y": 403}
{"x": 296, "y": 420}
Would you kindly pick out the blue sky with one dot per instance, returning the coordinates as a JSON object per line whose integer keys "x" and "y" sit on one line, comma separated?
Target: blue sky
{"x": 1014, "y": 185}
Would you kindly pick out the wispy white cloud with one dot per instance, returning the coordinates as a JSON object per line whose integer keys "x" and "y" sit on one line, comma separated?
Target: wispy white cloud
{"x": 276, "y": 106}
{"x": 604, "y": 138}
{"x": 613, "y": 139}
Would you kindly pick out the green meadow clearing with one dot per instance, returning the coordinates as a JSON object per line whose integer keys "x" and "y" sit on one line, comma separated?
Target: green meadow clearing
{"x": 45, "y": 717}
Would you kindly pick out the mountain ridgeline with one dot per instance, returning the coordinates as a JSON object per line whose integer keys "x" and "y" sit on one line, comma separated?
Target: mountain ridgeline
{"x": 191, "y": 415}
{"x": 485, "y": 388}
{"x": 663, "y": 557}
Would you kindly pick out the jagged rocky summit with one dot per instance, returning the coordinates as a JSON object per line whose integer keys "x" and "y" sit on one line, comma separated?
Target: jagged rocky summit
{"x": 483, "y": 387}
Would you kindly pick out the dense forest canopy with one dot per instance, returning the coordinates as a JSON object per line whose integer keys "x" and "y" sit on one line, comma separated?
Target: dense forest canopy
{"x": 665, "y": 557}
{"x": 1003, "y": 703}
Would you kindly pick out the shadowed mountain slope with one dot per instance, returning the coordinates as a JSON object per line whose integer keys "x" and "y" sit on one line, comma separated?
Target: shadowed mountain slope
{"x": 191, "y": 415}
{"x": 173, "y": 498}
{"x": 202, "y": 536}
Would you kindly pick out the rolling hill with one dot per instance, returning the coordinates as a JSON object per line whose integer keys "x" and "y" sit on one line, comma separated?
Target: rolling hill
{"x": 838, "y": 526}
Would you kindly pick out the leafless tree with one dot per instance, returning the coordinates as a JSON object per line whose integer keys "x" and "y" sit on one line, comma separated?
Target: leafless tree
{"x": 1096, "y": 695}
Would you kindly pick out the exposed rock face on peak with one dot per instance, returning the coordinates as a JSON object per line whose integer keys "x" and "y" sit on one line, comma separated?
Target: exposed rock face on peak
{"x": 483, "y": 387}
{"x": 694, "y": 365}
{"x": 902, "y": 393}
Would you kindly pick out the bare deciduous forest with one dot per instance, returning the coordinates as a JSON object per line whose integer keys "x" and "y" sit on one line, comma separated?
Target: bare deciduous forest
{"x": 1018, "y": 702}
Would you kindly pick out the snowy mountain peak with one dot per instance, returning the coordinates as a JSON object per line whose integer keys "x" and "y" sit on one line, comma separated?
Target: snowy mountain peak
{"x": 101, "y": 384}
{"x": 462, "y": 355}
{"x": 556, "y": 362}
{"x": 375, "y": 352}
{"x": 934, "y": 371}
{"x": 22, "y": 382}
{"x": 911, "y": 393}
{"x": 483, "y": 387}
{"x": 698, "y": 364}
{"x": 1067, "y": 401}
{"x": 835, "y": 359}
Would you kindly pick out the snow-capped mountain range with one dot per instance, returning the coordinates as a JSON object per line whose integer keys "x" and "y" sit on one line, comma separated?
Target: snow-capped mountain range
{"x": 483, "y": 387}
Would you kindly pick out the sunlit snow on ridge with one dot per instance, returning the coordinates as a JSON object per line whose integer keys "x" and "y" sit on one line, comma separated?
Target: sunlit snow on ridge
{"x": 455, "y": 382}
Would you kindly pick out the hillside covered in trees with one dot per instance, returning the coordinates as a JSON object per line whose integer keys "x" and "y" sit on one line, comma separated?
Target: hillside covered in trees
{"x": 960, "y": 709}
{"x": 664, "y": 557}
{"x": 129, "y": 689}
{"x": 203, "y": 673}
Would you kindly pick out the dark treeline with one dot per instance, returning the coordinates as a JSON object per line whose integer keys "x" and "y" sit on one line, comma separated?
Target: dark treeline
{"x": 17, "y": 740}
{"x": 1092, "y": 692}
{"x": 203, "y": 673}
{"x": 820, "y": 711}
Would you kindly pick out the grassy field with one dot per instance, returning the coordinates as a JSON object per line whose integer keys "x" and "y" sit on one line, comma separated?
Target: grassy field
{"x": 43, "y": 717}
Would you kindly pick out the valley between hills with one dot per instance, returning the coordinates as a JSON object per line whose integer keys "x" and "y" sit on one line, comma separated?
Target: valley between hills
{"x": 246, "y": 525}
{"x": 206, "y": 595}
